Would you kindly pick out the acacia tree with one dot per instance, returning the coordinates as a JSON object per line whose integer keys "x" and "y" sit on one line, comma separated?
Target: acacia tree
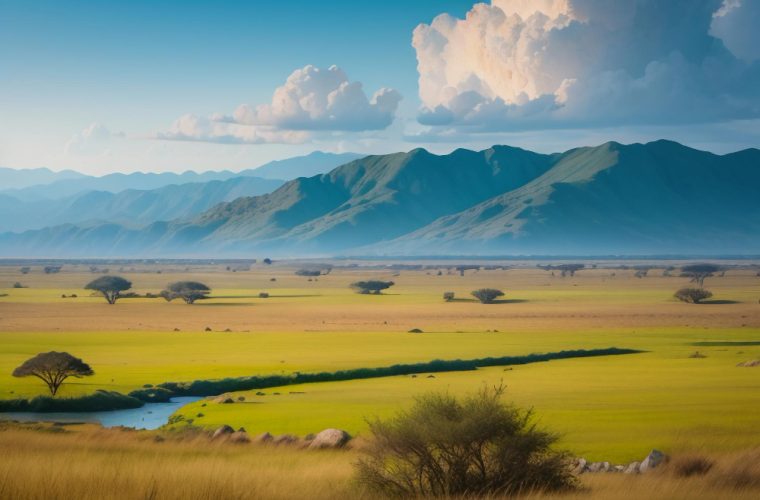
{"x": 487, "y": 295}
{"x": 109, "y": 286}
{"x": 371, "y": 286}
{"x": 698, "y": 272}
{"x": 189, "y": 291}
{"x": 53, "y": 368}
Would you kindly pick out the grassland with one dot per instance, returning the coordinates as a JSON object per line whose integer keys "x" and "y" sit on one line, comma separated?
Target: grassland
{"x": 614, "y": 408}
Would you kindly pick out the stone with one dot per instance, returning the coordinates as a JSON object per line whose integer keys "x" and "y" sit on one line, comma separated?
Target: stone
{"x": 264, "y": 438}
{"x": 330, "y": 438}
{"x": 240, "y": 437}
{"x": 654, "y": 459}
{"x": 595, "y": 467}
{"x": 632, "y": 468}
{"x": 285, "y": 439}
{"x": 222, "y": 431}
{"x": 579, "y": 467}
{"x": 618, "y": 468}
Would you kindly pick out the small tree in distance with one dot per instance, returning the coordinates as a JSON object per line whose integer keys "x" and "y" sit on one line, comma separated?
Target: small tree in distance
{"x": 487, "y": 295}
{"x": 53, "y": 368}
{"x": 474, "y": 447}
{"x": 372, "y": 286}
{"x": 692, "y": 295}
{"x": 189, "y": 291}
{"x": 698, "y": 272}
{"x": 109, "y": 286}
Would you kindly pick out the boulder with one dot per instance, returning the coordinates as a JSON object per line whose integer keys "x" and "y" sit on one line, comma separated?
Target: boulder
{"x": 222, "y": 431}
{"x": 579, "y": 466}
{"x": 285, "y": 439}
{"x": 330, "y": 438}
{"x": 618, "y": 468}
{"x": 654, "y": 459}
{"x": 595, "y": 467}
{"x": 632, "y": 468}
{"x": 264, "y": 438}
{"x": 240, "y": 437}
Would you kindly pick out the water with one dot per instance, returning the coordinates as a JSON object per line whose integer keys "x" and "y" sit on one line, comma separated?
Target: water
{"x": 149, "y": 416}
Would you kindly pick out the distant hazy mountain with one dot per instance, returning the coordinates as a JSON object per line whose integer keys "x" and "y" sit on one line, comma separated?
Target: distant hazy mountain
{"x": 27, "y": 187}
{"x": 303, "y": 166}
{"x": 15, "y": 179}
{"x": 653, "y": 198}
{"x": 131, "y": 207}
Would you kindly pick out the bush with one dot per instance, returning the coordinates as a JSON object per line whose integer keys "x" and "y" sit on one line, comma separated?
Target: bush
{"x": 263, "y": 295}
{"x": 371, "y": 286}
{"x": 692, "y": 295}
{"x": 99, "y": 401}
{"x": 487, "y": 295}
{"x": 478, "y": 446}
{"x": 448, "y": 296}
{"x": 18, "y": 285}
{"x": 691, "y": 466}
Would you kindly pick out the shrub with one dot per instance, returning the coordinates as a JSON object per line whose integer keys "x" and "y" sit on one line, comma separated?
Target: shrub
{"x": 478, "y": 446}
{"x": 487, "y": 295}
{"x": 309, "y": 272}
{"x": 99, "y": 401}
{"x": 18, "y": 285}
{"x": 371, "y": 286}
{"x": 189, "y": 291}
{"x": 692, "y": 295}
{"x": 448, "y": 296}
{"x": 264, "y": 295}
{"x": 691, "y": 466}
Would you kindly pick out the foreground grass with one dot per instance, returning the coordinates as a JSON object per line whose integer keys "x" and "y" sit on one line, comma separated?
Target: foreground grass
{"x": 88, "y": 463}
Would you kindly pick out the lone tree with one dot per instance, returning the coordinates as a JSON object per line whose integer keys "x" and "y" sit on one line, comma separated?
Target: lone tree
{"x": 564, "y": 269}
{"x": 477, "y": 446}
{"x": 372, "y": 286}
{"x": 189, "y": 291}
{"x": 53, "y": 368}
{"x": 692, "y": 295}
{"x": 487, "y": 295}
{"x": 110, "y": 286}
{"x": 698, "y": 272}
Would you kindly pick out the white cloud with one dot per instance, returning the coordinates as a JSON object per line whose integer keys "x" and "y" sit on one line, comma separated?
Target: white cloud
{"x": 311, "y": 100}
{"x": 190, "y": 127}
{"x": 95, "y": 140}
{"x": 528, "y": 64}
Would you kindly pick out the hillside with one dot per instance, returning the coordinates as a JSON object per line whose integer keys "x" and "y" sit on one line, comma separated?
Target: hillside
{"x": 659, "y": 197}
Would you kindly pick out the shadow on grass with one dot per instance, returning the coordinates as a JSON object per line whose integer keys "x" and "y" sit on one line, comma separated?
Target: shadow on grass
{"x": 212, "y": 304}
{"x": 504, "y": 301}
{"x": 718, "y": 302}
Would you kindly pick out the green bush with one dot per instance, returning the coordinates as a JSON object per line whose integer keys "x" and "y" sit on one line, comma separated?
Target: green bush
{"x": 99, "y": 401}
{"x": 477, "y": 446}
{"x": 692, "y": 295}
{"x": 487, "y": 295}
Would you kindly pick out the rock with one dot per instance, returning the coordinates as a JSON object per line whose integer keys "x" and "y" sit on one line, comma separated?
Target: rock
{"x": 330, "y": 438}
{"x": 240, "y": 437}
{"x": 595, "y": 467}
{"x": 264, "y": 438}
{"x": 632, "y": 468}
{"x": 654, "y": 459}
{"x": 618, "y": 468}
{"x": 579, "y": 467}
{"x": 309, "y": 437}
{"x": 222, "y": 431}
{"x": 750, "y": 364}
{"x": 285, "y": 439}
{"x": 605, "y": 467}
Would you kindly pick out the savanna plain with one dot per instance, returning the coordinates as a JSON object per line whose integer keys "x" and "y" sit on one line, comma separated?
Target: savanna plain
{"x": 683, "y": 391}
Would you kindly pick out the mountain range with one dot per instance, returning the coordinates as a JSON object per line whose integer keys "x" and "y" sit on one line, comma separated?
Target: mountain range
{"x": 655, "y": 198}
{"x": 140, "y": 198}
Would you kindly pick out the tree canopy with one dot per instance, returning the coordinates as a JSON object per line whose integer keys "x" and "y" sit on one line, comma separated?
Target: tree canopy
{"x": 109, "y": 286}
{"x": 698, "y": 272}
{"x": 371, "y": 286}
{"x": 487, "y": 295}
{"x": 189, "y": 291}
{"x": 53, "y": 368}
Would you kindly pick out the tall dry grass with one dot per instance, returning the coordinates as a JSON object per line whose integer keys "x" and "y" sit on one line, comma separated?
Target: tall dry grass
{"x": 89, "y": 463}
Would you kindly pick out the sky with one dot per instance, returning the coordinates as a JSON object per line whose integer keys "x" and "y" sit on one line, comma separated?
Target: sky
{"x": 102, "y": 87}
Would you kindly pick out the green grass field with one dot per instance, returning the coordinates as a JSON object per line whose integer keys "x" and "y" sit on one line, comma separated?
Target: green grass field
{"x": 612, "y": 408}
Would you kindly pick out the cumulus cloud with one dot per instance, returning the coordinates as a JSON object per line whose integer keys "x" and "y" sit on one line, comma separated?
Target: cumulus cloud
{"x": 523, "y": 64}
{"x": 94, "y": 140}
{"x": 311, "y": 100}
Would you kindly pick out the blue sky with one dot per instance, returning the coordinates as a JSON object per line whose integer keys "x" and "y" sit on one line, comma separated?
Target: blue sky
{"x": 101, "y": 86}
